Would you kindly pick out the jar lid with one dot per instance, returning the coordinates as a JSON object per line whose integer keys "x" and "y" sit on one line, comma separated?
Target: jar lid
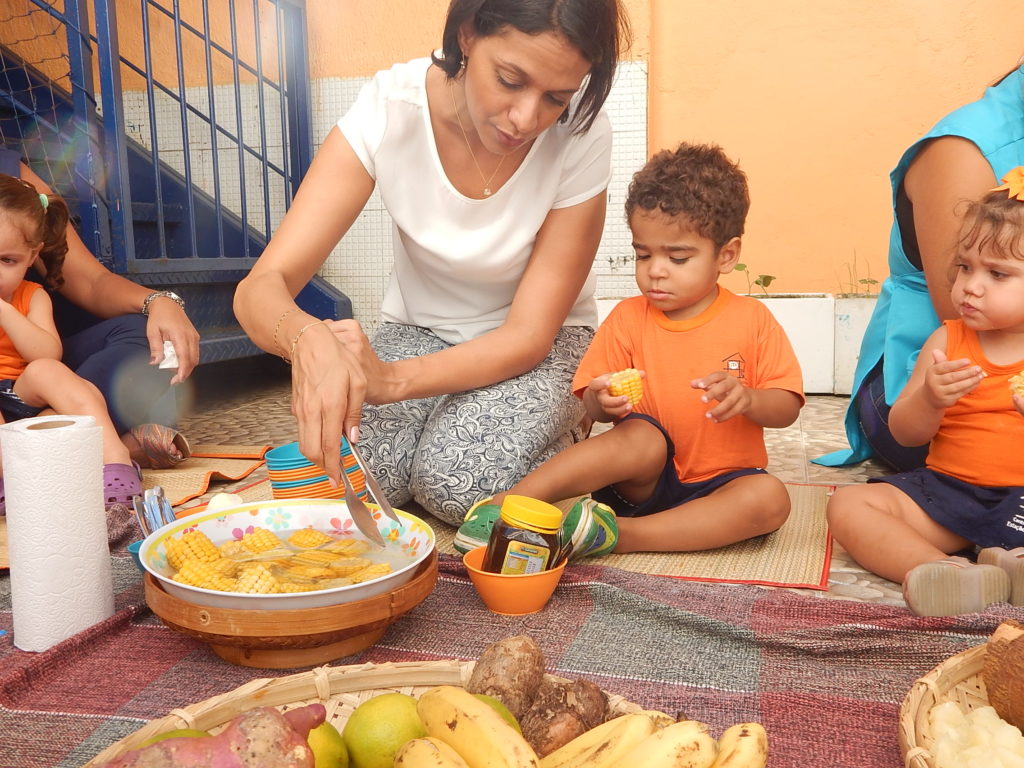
{"x": 524, "y": 512}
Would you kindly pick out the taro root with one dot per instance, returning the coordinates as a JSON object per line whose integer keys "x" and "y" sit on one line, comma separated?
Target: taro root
{"x": 1003, "y": 672}
{"x": 511, "y": 671}
{"x": 561, "y": 711}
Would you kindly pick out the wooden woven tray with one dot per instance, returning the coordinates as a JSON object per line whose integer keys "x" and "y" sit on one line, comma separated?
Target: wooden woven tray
{"x": 957, "y": 679}
{"x": 340, "y": 689}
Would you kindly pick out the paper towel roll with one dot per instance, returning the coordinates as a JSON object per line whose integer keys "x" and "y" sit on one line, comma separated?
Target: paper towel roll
{"x": 56, "y": 528}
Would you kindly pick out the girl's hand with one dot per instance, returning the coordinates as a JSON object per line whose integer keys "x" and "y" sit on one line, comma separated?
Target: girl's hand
{"x": 733, "y": 398}
{"x": 328, "y": 386}
{"x": 1018, "y": 403}
{"x": 946, "y": 381}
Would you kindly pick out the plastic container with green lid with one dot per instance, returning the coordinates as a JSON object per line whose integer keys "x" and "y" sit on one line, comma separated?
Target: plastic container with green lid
{"x": 525, "y": 539}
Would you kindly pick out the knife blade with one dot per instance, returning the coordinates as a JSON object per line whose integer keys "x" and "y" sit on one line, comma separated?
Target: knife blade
{"x": 371, "y": 483}
{"x": 361, "y": 516}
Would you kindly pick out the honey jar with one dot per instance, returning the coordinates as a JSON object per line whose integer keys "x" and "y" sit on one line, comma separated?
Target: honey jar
{"x": 525, "y": 539}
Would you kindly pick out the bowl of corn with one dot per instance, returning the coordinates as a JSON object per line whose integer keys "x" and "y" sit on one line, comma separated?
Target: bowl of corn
{"x": 284, "y": 554}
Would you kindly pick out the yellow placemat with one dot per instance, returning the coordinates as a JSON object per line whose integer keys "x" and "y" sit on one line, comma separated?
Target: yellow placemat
{"x": 796, "y": 555}
{"x": 191, "y": 479}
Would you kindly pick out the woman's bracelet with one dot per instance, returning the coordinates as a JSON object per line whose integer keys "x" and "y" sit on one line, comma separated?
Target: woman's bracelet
{"x": 298, "y": 336}
{"x": 277, "y": 330}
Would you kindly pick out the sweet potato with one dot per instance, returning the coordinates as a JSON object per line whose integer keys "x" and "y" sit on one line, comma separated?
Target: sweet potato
{"x": 259, "y": 738}
{"x": 560, "y": 712}
{"x": 511, "y": 671}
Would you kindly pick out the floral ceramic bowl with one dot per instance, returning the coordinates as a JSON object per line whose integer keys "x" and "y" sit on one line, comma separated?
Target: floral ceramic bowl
{"x": 407, "y": 544}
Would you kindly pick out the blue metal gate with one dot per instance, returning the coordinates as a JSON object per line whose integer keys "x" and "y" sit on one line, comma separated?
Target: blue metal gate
{"x": 180, "y": 158}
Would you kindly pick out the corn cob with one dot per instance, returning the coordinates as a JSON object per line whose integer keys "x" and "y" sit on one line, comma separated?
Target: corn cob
{"x": 290, "y": 587}
{"x": 309, "y": 571}
{"x": 346, "y": 566}
{"x": 371, "y": 572}
{"x": 627, "y": 382}
{"x": 233, "y": 548}
{"x": 1017, "y": 384}
{"x": 256, "y": 579}
{"x": 204, "y": 576}
{"x": 194, "y": 545}
{"x": 260, "y": 540}
{"x": 314, "y": 557}
{"x": 307, "y": 538}
{"x": 347, "y": 547}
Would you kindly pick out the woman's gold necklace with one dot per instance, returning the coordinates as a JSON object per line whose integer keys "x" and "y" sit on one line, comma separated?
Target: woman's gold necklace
{"x": 486, "y": 180}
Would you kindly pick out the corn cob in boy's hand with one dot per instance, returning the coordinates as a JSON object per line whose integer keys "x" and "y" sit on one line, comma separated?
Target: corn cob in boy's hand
{"x": 1017, "y": 384}
{"x": 627, "y": 382}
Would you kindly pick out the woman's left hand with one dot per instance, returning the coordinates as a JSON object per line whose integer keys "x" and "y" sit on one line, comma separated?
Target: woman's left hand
{"x": 351, "y": 336}
{"x": 168, "y": 321}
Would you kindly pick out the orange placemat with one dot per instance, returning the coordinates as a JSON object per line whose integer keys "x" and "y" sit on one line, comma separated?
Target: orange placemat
{"x": 208, "y": 463}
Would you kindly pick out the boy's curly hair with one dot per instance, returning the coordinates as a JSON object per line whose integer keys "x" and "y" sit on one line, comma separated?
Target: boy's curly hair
{"x": 995, "y": 221}
{"x": 696, "y": 181}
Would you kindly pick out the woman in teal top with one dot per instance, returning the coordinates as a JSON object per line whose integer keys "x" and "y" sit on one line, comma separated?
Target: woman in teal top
{"x": 959, "y": 159}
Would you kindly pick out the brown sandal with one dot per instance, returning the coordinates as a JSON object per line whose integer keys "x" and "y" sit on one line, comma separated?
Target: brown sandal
{"x": 157, "y": 446}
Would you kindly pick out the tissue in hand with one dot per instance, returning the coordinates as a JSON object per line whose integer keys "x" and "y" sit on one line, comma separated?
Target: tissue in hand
{"x": 170, "y": 356}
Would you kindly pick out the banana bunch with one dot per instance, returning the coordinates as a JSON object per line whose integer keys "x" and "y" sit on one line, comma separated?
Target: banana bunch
{"x": 652, "y": 739}
{"x": 464, "y": 732}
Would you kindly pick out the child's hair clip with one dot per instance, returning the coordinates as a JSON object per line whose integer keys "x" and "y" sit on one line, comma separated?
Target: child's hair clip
{"x": 1013, "y": 182}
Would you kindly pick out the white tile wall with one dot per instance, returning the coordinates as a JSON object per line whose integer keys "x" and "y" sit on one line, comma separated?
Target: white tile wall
{"x": 361, "y": 262}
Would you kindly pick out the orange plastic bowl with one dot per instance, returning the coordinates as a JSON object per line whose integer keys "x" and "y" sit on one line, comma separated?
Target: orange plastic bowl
{"x": 511, "y": 595}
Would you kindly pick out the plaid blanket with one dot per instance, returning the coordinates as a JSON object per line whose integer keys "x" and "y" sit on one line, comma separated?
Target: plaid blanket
{"x": 826, "y": 677}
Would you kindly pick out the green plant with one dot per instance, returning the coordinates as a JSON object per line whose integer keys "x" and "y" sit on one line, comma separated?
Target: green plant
{"x": 761, "y": 281}
{"x": 854, "y": 285}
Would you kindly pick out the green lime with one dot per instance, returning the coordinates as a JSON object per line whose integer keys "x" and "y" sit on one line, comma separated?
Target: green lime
{"x": 328, "y": 747}
{"x": 379, "y": 727}
{"x": 501, "y": 709}
{"x": 175, "y": 734}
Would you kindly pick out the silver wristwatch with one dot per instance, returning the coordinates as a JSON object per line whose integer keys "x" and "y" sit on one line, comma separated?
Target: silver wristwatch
{"x": 166, "y": 294}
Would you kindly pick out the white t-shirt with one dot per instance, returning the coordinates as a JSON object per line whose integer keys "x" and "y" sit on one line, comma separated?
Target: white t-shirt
{"x": 458, "y": 261}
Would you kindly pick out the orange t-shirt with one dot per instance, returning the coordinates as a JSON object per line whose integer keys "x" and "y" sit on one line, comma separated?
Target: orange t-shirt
{"x": 12, "y": 365}
{"x": 980, "y": 436}
{"x": 736, "y": 334}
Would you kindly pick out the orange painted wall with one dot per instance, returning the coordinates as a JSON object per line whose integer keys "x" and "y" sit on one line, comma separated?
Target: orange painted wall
{"x": 817, "y": 99}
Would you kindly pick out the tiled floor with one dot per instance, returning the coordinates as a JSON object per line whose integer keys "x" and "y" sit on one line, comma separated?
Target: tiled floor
{"x": 248, "y": 402}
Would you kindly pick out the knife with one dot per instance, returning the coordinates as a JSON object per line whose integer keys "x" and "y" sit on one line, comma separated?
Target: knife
{"x": 360, "y": 515}
{"x": 371, "y": 484}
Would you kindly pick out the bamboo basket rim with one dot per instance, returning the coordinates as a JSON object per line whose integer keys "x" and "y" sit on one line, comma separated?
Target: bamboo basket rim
{"x": 958, "y": 678}
{"x": 340, "y": 689}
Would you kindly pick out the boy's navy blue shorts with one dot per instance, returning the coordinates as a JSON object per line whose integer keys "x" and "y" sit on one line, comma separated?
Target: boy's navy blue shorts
{"x": 13, "y": 407}
{"x": 986, "y": 516}
{"x": 670, "y": 491}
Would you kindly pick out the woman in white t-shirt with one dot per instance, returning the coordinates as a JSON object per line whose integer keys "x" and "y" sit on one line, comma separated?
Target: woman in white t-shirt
{"x": 492, "y": 158}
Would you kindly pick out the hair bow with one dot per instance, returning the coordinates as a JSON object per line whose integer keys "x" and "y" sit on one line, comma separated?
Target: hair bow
{"x": 1013, "y": 182}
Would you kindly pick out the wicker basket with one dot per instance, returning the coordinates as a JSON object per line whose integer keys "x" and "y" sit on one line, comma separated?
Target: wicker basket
{"x": 340, "y": 689}
{"x": 957, "y": 679}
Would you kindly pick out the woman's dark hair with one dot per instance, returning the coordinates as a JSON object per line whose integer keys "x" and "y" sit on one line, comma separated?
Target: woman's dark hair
{"x": 46, "y": 224}
{"x": 599, "y": 29}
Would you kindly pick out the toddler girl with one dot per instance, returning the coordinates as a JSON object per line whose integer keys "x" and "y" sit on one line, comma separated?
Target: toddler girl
{"x": 960, "y": 398}
{"x": 33, "y": 380}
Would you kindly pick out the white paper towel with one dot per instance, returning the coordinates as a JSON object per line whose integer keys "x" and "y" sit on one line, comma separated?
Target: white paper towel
{"x": 56, "y": 528}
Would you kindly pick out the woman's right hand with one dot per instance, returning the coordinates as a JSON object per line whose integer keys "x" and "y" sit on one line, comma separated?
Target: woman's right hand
{"x": 328, "y": 390}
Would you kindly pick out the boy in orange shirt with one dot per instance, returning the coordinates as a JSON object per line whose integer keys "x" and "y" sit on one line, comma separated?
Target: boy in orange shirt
{"x": 683, "y": 469}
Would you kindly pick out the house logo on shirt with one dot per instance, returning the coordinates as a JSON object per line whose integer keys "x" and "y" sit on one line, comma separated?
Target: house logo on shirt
{"x": 734, "y": 365}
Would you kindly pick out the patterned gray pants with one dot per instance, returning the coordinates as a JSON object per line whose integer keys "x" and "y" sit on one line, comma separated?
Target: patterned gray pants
{"x": 448, "y": 451}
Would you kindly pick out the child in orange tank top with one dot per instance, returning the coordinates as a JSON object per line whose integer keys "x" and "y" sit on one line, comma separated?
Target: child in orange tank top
{"x": 33, "y": 380}
{"x": 961, "y": 400}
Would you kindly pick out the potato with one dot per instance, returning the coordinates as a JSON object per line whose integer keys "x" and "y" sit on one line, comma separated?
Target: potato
{"x": 562, "y": 711}
{"x": 511, "y": 671}
{"x": 1003, "y": 672}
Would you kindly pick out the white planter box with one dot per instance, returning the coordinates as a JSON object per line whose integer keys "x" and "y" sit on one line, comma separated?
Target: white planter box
{"x": 808, "y": 319}
{"x": 852, "y": 315}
